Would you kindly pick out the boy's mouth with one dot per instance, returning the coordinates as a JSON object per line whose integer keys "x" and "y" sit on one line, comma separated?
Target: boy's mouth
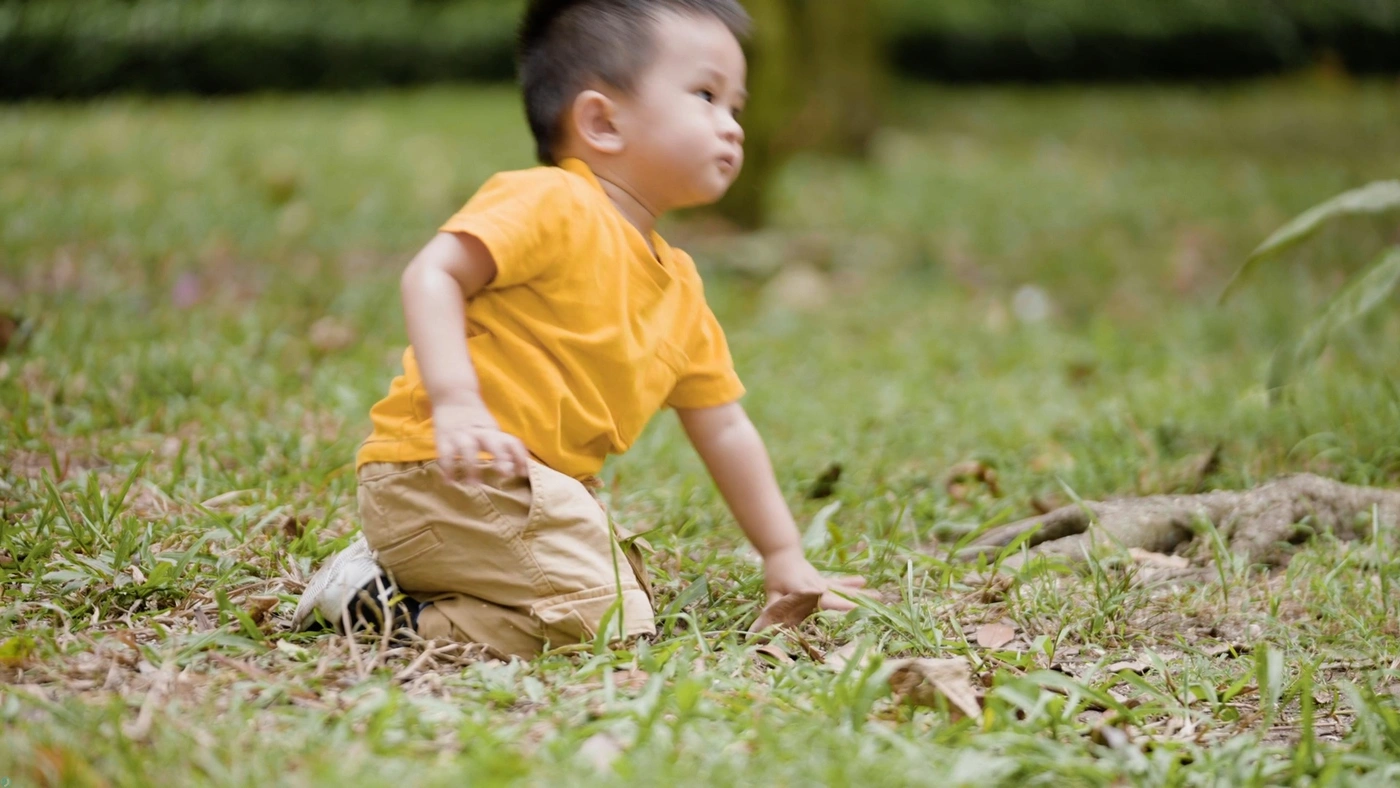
{"x": 729, "y": 162}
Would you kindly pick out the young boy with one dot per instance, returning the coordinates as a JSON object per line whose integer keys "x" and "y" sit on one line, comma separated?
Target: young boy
{"x": 549, "y": 322}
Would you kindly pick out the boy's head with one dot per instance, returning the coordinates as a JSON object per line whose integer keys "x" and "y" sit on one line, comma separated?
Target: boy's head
{"x": 649, "y": 90}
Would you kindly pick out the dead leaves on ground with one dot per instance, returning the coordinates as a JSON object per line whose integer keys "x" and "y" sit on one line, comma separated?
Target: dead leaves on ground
{"x": 995, "y": 635}
{"x": 331, "y": 335}
{"x": 787, "y": 611}
{"x": 11, "y": 331}
{"x": 964, "y": 478}
{"x": 825, "y": 484}
{"x": 937, "y": 682}
{"x": 919, "y": 681}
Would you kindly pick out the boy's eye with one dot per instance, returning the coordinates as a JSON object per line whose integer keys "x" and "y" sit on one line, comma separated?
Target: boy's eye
{"x": 707, "y": 95}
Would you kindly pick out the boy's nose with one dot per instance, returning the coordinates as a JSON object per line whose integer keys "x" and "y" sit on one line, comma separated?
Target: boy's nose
{"x": 731, "y": 130}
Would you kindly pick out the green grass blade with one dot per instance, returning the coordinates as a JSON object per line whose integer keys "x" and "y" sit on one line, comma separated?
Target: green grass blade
{"x": 1378, "y": 197}
{"x": 1359, "y": 298}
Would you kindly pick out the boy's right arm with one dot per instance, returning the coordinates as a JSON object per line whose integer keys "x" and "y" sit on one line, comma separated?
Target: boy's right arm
{"x": 435, "y": 287}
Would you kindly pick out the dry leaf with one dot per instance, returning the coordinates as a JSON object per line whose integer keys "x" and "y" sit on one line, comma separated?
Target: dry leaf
{"x": 229, "y": 497}
{"x": 9, "y": 327}
{"x": 778, "y": 655}
{"x": 825, "y": 484}
{"x": 631, "y": 678}
{"x": 1130, "y": 666}
{"x": 1158, "y": 560}
{"x": 330, "y": 334}
{"x": 798, "y": 287}
{"x": 1227, "y": 649}
{"x": 259, "y": 606}
{"x": 187, "y": 290}
{"x": 1111, "y": 736}
{"x": 600, "y": 750}
{"x": 1045, "y": 504}
{"x": 841, "y": 657}
{"x": 1201, "y": 466}
{"x": 962, "y": 476}
{"x": 995, "y": 635}
{"x": 293, "y": 526}
{"x": 787, "y": 611}
{"x": 993, "y": 588}
{"x": 922, "y": 682}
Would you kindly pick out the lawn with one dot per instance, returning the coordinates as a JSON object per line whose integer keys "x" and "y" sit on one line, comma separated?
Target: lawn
{"x": 1025, "y": 279}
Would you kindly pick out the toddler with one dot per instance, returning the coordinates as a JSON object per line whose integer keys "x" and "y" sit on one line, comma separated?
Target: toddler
{"x": 548, "y": 322}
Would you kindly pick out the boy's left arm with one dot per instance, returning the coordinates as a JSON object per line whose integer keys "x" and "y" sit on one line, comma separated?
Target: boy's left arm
{"x": 738, "y": 462}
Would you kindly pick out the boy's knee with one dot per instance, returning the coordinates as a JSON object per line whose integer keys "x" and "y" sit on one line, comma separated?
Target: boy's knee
{"x": 567, "y": 621}
{"x": 582, "y": 618}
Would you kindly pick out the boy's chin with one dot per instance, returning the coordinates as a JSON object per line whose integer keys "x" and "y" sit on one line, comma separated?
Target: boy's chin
{"x": 705, "y": 196}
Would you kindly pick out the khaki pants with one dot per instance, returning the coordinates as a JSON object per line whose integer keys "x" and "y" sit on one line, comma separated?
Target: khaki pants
{"x": 518, "y": 564}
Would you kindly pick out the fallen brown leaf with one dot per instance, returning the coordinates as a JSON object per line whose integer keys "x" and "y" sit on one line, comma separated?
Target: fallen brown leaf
{"x": 631, "y": 678}
{"x": 825, "y": 484}
{"x": 776, "y": 654}
{"x": 1200, "y": 467}
{"x": 293, "y": 526}
{"x": 1045, "y": 504}
{"x": 787, "y": 611}
{"x": 259, "y": 606}
{"x": 9, "y": 327}
{"x": 1111, "y": 736}
{"x": 798, "y": 287}
{"x": 961, "y": 477}
{"x": 1227, "y": 649}
{"x": 1158, "y": 560}
{"x": 331, "y": 334}
{"x": 600, "y": 750}
{"x": 993, "y": 588}
{"x": 921, "y": 682}
{"x": 995, "y": 635}
{"x": 841, "y": 657}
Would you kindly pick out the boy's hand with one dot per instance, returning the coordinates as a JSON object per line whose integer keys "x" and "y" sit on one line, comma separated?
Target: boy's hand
{"x": 789, "y": 572}
{"x": 463, "y": 431}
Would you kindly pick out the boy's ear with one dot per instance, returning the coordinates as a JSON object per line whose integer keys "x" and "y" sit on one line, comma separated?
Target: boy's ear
{"x": 595, "y": 121}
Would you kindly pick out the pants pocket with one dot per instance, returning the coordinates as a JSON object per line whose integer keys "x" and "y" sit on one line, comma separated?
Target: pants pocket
{"x": 578, "y": 617}
{"x": 399, "y": 558}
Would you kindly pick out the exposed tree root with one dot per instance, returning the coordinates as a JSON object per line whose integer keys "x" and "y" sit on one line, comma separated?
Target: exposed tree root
{"x": 1258, "y": 524}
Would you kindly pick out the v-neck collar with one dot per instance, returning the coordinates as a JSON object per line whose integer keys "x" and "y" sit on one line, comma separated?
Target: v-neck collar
{"x": 662, "y": 249}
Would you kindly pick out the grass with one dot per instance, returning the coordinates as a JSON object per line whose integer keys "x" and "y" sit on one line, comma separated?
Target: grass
{"x": 209, "y": 311}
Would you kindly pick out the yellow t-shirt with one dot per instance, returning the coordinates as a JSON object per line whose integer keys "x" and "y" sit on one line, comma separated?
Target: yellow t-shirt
{"x": 582, "y": 336}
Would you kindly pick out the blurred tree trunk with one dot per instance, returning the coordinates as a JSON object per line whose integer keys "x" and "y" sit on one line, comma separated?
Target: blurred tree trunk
{"x": 816, "y": 75}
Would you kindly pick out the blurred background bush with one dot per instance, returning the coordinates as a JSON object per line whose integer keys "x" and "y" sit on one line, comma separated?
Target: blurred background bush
{"x": 70, "y": 48}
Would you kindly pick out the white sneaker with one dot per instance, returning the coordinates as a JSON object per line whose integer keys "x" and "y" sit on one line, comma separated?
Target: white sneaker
{"x": 349, "y": 584}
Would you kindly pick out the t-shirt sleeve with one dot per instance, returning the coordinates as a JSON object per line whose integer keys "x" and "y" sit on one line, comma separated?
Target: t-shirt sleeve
{"x": 709, "y": 379}
{"x": 512, "y": 214}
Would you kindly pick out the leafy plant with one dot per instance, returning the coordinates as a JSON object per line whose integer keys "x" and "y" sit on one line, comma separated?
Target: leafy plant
{"x": 1362, "y": 295}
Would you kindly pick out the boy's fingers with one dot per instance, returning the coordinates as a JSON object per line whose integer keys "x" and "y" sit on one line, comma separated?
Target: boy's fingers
{"x": 447, "y": 460}
{"x": 519, "y": 457}
{"x": 502, "y": 453}
{"x": 466, "y": 460}
{"x": 849, "y": 581}
{"x": 831, "y": 601}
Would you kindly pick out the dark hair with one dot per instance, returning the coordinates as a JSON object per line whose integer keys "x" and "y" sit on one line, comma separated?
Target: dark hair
{"x": 566, "y": 45}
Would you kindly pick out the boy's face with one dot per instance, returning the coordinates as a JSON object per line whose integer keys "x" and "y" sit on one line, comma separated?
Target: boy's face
{"x": 682, "y": 139}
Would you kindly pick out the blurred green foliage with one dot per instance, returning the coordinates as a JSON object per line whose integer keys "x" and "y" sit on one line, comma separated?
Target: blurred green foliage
{"x": 1041, "y": 40}
{"x": 59, "y": 48}
{"x": 64, "y": 48}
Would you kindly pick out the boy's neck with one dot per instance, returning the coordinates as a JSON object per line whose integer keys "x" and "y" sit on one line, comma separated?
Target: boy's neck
{"x": 633, "y": 207}
{"x": 630, "y": 204}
